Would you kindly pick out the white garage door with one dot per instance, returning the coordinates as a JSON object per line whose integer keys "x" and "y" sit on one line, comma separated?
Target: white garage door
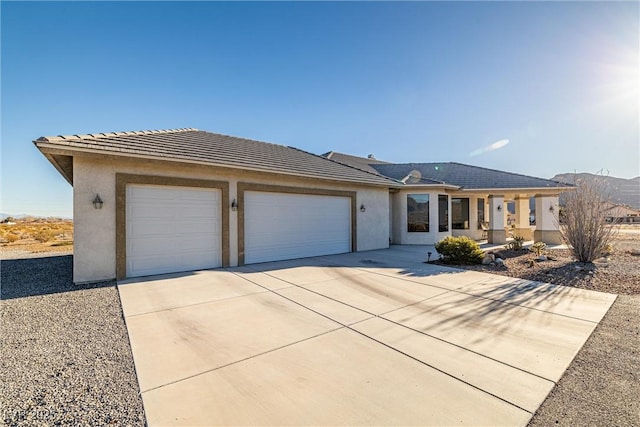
{"x": 281, "y": 226}
{"x": 171, "y": 229}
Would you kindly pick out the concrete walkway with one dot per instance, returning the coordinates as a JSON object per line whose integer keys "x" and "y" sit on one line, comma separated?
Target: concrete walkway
{"x": 369, "y": 338}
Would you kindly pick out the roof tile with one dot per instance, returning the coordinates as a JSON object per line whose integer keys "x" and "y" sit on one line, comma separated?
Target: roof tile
{"x": 190, "y": 144}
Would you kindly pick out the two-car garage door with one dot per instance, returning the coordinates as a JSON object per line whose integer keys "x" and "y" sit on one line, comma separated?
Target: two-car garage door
{"x": 172, "y": 229}
{"x": 280, "y": 226}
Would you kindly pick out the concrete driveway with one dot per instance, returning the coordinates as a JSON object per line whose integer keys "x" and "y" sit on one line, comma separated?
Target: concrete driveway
{"x": 369, "y": 338}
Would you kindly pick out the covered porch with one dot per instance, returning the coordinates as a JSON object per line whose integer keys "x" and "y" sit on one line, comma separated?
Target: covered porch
{"x": 496, "y": 216}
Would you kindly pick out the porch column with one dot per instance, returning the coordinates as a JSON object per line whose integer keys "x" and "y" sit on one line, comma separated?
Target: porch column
{"x": 497, "y": 209}
{"x": 522, "y": 218}
{"x": 547, "y": 226}
{"x": 474, "y": 232}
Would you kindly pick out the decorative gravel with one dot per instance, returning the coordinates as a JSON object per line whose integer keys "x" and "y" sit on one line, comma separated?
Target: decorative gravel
{"x": 65, "y": 357}
{"x": 618, "y": 273}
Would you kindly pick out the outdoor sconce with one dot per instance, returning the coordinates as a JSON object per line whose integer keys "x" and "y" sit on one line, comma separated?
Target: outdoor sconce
{"x": 499, "y": 208}
{"x": 362, "y": 208}
{"x": 551, "y": 208}
{"x": 97, "y": 202}
{"x": 234, "y": 205}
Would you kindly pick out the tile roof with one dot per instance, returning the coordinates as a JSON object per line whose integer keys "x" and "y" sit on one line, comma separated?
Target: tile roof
{"x": 211, "y": 148}
{"x": 362, "y": 163}
{"x": 465, "y": 176}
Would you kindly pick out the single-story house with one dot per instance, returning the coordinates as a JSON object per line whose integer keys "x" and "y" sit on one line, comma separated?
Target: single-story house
{"x": 152, "y": 202}
{"x": 621, "y": 214}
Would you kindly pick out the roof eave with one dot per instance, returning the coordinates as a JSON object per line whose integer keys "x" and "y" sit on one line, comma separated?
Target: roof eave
{"x": 515, "y": 189}
{"x": 70, "y": 150}
{"x": 55, "y": 164}
{"x": 434, "y": 185}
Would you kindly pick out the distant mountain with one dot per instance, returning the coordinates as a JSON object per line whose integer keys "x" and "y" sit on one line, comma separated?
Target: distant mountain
{"x": 623, "y": 191}
{"x": 3, "y": 216}
{"x": 19, "y": 216}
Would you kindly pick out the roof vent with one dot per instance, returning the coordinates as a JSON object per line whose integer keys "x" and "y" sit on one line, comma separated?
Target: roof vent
{"x": 371, "y": 156}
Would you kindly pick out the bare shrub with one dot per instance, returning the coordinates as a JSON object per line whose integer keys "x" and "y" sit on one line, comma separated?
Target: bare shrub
{"x": 44, "y": 235}
{"x": 11, "y": 237}
{"x": 583, "y": 219}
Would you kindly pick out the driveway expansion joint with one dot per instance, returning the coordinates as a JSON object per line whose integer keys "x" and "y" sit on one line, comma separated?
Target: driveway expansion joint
{"x": 235, "y": 362}
{"x": 373, "y": 315}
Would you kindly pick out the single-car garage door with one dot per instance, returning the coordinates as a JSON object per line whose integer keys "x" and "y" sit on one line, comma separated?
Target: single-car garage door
{"x": 171, "y": 229}
{"x": 280, "y": 226}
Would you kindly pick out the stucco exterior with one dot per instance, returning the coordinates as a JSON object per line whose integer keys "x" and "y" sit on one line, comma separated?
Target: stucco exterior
{"x": 374, "y": 195}
{"x": 547, "y": 223}
{"x": 95, "y": 229}
{"x": 474, "y": 231}
{"x": 401, "y": 235}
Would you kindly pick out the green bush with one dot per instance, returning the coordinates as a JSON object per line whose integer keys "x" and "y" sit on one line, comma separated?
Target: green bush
{"x": 459, "y": 250}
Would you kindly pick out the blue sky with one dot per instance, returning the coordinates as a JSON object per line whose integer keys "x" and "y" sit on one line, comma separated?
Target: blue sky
{"x": 531, "y": 87}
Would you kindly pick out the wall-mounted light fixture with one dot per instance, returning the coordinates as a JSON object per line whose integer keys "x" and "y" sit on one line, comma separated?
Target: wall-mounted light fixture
{"x": 551, "y": 208}
{"x": 97, "y": 202}
{"x": 234, "y": 205}
{"x": 362, "y": 208}
{"x": 499, "y": 208}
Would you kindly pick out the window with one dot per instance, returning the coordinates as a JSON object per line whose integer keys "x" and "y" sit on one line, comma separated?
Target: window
{"x": 443, "y": 212}
{"x": 459, "y": 213}
{"x": 417, "y": 213}
{"x": 480, "y": 212}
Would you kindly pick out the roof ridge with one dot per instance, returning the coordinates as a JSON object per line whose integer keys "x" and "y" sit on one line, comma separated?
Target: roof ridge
{"x": 375, "y": 160}
{"x": 111, "y": 134}
{"x": 347, "y": 165}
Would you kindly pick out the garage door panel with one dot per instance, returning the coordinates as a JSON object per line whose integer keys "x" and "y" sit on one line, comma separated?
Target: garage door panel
{"x": 139, "y": 228}
{"x": 172, "y": 229}
{"x": 154, "y": 245}
{"x": 285, "y": 226}
{"x": 164, "y": 263}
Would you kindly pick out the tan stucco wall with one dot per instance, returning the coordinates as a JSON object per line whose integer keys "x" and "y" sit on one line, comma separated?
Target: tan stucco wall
{"x": 472, "y": 232}
{"x": 400, "y": 234}
{"x": 94, "y": 229}
{"x": 373, "y": 229}
{"x": 95, "y": 235}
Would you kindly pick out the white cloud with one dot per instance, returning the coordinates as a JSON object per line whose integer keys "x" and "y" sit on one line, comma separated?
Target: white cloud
{"x": 491, "y": 147}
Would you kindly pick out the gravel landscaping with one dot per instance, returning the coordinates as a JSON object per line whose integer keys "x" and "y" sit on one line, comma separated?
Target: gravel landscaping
{"x": 618, "y": 273}
{"x": 65, "y": 355}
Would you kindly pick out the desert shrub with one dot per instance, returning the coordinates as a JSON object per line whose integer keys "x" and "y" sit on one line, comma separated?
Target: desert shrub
{"x": 459, "y": 250}
{"x": 584, "y": 226}
{"x": 12, "y": 237}
{"x": 44, "y": 235}
{"x": 515, "y": 244}
{"x": 538, "y": 248}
